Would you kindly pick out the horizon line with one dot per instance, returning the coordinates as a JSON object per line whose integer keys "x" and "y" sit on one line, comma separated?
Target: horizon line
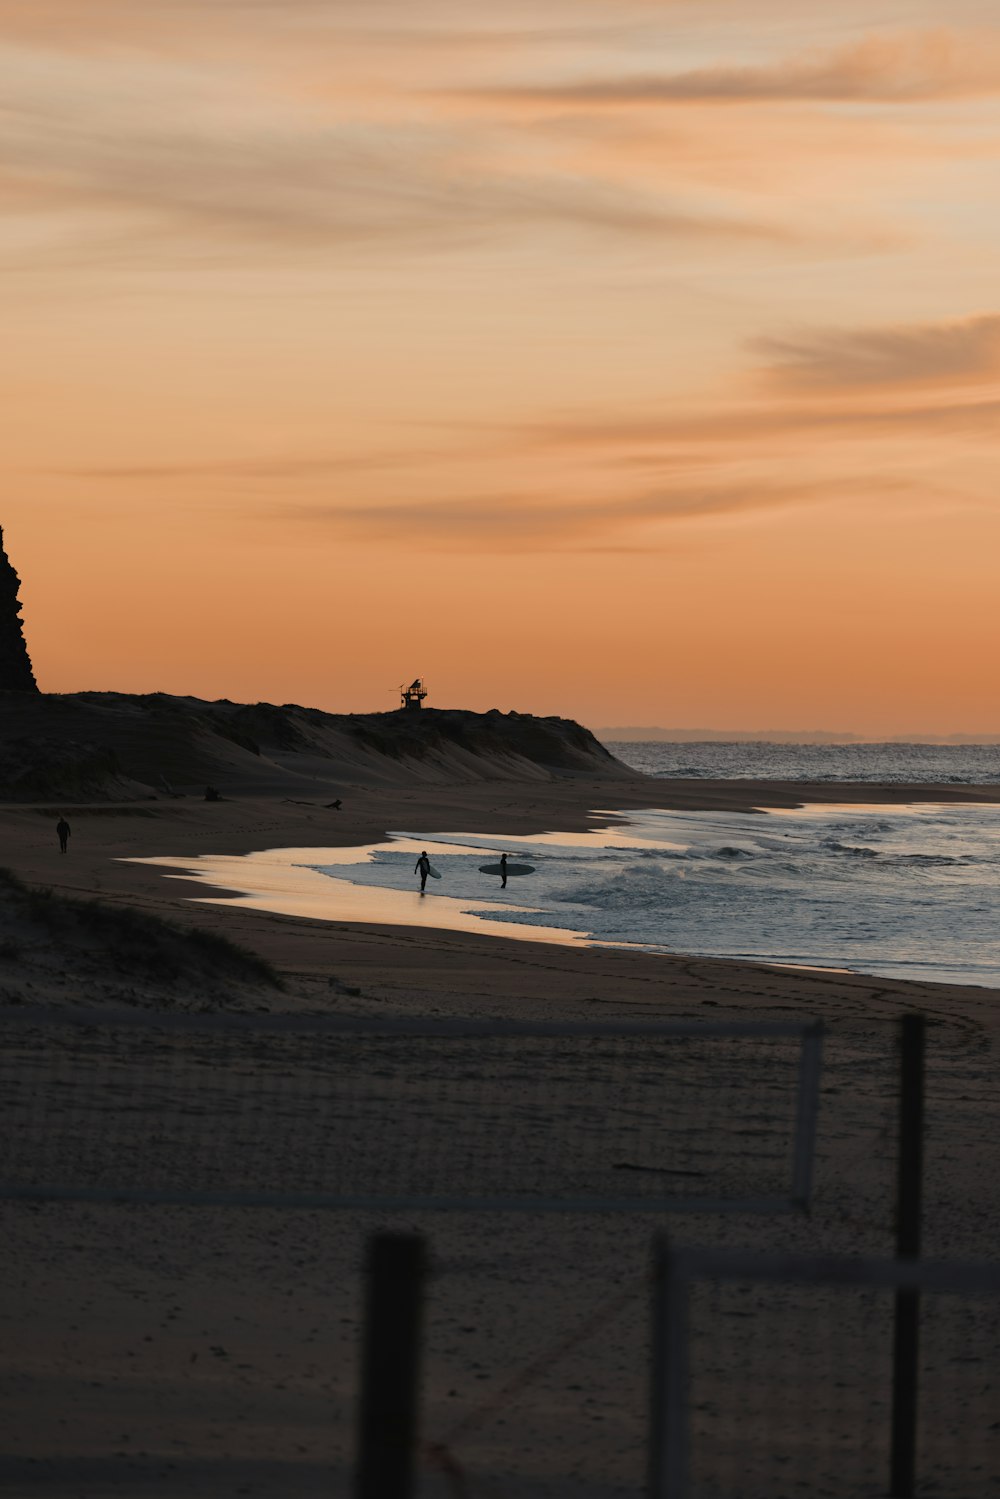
{"x": 654, "y": 732}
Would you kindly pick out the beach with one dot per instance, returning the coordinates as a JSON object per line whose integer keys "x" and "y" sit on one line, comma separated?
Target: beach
{"x": 499, "y": 742}
{"x": 107, "y": 836}
{"x": 172, "y": 1349}
{"x": 402, "y": 964}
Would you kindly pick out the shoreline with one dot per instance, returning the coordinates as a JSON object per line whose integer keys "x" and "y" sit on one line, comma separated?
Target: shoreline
{"x": 411, "y": 968}
{"x": 373, "y": 884}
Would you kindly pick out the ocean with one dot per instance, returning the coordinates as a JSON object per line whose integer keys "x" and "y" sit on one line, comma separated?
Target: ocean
{"x": 975, "y": 764}
{"x": 904, "y": 892}
{"x": 907, "y": 891}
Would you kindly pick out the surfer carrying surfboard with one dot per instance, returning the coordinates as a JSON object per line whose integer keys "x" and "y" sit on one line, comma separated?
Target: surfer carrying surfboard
{"x": 423, "y": 868}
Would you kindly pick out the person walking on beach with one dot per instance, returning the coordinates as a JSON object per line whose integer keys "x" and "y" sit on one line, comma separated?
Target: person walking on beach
{"x": 423, "y": 868}
{"x": 63, "y": 829}
{"x": 503, "y": 871}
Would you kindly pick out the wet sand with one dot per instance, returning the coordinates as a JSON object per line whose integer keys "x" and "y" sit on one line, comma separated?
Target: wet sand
{"x": 413, "y": 963}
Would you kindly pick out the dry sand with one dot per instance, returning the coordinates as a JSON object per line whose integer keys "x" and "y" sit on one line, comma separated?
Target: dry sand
{"x": 182, "y": 1351}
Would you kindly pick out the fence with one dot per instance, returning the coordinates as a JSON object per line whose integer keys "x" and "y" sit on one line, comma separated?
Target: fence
{"x": 313, "y": 1112}
{"x": 772, "y": 1376}
{"x": 320, "y": 1112}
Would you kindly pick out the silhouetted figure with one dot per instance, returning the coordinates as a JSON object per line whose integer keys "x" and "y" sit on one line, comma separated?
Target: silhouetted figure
{"x": 335, "y": 805}
{"x": 423, "y": 868}
{"x": 503, "y": 871}
{"x": 212, "y": 794}
{"x": 63, "y": 829}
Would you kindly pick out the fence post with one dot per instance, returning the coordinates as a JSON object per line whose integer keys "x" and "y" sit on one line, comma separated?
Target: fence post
{"x": 807, "y": 1114}
{"x": 906, "y": 1332}
{"x": 668, "y": 1434}
{"x": 395, "y": 1272}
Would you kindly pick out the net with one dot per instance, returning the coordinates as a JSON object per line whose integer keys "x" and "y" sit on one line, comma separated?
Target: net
{"x": 321, "y": 1112}
{"x": 782, "y": 1378}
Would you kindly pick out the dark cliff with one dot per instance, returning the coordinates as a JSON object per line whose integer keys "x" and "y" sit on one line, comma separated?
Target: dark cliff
{"x": 108, "y": 744}
{"x": 16, "y": 674}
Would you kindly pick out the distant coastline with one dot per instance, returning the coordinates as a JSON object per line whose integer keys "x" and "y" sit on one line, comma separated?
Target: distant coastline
{"x": 630, "y": 734}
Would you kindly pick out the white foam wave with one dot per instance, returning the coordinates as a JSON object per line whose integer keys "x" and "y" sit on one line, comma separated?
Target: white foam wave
{"x": 915, "y": 890}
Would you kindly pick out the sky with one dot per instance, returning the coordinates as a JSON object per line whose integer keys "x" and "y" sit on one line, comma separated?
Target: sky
{"x": 637, "y": 362}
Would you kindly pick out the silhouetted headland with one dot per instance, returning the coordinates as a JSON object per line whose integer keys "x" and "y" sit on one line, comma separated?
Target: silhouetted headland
{"x": 111, "y": 745}
{"x": 16, "y": 674}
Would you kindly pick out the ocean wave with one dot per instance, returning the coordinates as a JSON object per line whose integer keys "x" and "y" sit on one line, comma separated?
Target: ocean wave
{"x": 858, "y": 829}
{"x": 907, "y": 892}
{"x": 924, "y": 861}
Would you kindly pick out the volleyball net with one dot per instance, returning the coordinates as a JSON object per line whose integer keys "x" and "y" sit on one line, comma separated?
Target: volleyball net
{"x": 344, "y": 1112}
{"x": 774, "y": 1376}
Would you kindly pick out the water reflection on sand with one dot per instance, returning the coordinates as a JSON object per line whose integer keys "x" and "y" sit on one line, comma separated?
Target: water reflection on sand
{"x": 289, "y": 882}
{"x": 906, "y": 891}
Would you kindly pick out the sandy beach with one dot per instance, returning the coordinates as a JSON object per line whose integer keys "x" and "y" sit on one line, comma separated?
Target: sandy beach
{"x": 175, "y": 1350}
{"x": 460, "y": 970}
{"x": 393, "y": 392}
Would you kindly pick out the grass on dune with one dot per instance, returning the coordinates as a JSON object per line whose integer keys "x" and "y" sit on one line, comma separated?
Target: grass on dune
{"x": 137, "y": 940}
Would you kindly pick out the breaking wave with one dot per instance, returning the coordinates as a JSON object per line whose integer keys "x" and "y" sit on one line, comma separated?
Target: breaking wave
{"x": 910, "y": 891}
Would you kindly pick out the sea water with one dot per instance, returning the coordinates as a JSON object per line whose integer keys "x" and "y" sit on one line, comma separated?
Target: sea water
{"x": 888, "y": 764}
{"x": 906, "y": 892}
{"x": 901, "y": 891}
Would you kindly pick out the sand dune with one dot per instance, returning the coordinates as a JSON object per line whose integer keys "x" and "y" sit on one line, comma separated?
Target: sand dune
{"x": 115, "y": 745}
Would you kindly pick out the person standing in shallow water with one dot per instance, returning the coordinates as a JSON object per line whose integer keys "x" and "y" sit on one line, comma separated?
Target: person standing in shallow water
{"x": 503, "y": 871}
{"x": 64, "y": 830}
{"x": 423, "y": 868}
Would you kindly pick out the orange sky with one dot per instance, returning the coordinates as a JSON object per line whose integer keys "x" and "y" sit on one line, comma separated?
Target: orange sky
{"x": 635, "y": 361}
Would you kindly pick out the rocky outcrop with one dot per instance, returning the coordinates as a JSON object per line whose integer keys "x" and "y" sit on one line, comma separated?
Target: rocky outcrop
{"x": 16, "y": 674}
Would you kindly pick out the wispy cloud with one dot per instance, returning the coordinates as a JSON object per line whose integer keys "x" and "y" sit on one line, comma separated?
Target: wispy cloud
{"x": 737, "y": 425}
{"x": 277, "y": 469}
{"x": 535, "y": 524}
{"x": 577, "y": 449}
{"x": 162, "y": 148}
{"x": 944, "y": 353}
{"x": 54, "y": 18}
{"x": 897, "y": 69}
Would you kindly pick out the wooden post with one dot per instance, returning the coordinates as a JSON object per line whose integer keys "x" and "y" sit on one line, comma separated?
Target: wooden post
{"x": 807, "y": 1115}
{"x": 390, "y": 1373}
{"x": 666, "y": 1476}
{"x": 906, "y": 1339}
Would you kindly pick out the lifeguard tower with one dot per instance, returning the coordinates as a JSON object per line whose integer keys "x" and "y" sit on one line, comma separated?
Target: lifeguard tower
{"x": 413, "y": 696}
